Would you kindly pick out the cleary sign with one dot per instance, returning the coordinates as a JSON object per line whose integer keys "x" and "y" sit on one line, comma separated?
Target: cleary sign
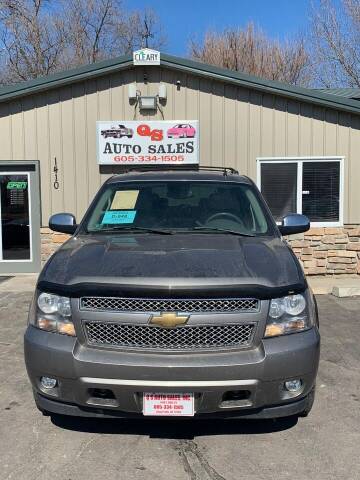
{"x": 146, "y": 56}
{"x": 148, "y": 142}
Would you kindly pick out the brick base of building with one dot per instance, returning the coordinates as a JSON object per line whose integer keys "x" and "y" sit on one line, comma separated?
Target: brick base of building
{"x": 328, "y": 251}
{"x": 321, "y": 251}
{"x": 50, "y": 242}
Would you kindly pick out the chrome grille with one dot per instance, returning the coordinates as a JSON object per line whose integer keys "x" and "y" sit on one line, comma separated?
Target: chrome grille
{"x": 118, "y": 304}
{"x": 113, "y": 334}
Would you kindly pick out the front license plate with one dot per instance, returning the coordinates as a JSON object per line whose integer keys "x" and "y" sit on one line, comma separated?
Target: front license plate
{"x": 168, "y": 404}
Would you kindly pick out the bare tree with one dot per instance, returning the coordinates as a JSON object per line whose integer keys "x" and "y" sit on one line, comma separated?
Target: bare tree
{"x": 32, "y": 38}
{"x": 336, "y": 43}
{"x": 139, "y": 30}
{"x": 102, "y": 29}
{"x": 250, "y": 51}
{"x": 44, "y": 36}
{"x": 89, "y": 32}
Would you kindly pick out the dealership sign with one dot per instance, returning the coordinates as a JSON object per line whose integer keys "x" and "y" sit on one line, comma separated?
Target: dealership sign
{"x": 146, "y": 56}
{"x": 122, "y": 142}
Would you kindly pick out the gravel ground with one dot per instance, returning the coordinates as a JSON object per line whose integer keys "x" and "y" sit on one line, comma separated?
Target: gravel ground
{"x": 323, "y": 446}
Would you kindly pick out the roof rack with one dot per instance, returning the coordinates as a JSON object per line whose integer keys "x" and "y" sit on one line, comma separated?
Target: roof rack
{"x": 225, "y": 170}
{"x": 140, "y": 168}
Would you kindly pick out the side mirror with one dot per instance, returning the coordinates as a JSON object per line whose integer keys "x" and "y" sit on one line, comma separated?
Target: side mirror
{"x": 294, "y": 223}
{"x": 63, "y": 222}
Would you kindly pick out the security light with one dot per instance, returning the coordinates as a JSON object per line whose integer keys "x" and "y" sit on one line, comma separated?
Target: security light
{"x": 162, "y": 91}
{"x": 147, "y": 103}
{"x": 132, "y": 91}
{"x": 144, "y": 102}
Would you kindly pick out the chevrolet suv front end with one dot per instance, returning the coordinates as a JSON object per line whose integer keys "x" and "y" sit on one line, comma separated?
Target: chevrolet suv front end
{"x": 176, "y": 295}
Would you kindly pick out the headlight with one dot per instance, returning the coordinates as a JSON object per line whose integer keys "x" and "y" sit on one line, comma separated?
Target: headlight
{"x": 49, "y": 303}
{"x": 53, "y": 314}
{"x": 287, "y": 315}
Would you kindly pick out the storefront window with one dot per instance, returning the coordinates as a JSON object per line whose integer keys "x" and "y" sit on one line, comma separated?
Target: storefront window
{"x": 14, "y": 214}
{"x": 309, "y": 186}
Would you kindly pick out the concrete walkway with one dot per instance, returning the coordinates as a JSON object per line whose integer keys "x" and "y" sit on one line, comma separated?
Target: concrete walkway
{"x": 19, "y": 283}
{"x": 338, "y": 286}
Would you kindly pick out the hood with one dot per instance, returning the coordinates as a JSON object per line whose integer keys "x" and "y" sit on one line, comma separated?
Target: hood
{"x": 172, "y": 264}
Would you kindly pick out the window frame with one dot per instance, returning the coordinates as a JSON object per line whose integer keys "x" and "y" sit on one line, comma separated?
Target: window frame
{"x": 300, "y": 161}
{"x": 30, "y": 259}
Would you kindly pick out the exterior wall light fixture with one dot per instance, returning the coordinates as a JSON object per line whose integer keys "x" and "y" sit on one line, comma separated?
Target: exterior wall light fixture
{"x": 147, "y": 102}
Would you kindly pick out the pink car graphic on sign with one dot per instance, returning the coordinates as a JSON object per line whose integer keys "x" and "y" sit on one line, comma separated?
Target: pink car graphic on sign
{"x": 181, "y": 130}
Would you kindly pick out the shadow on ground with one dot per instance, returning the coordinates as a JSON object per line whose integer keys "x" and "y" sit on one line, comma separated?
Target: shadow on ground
{"x": 3, "y": 279}
{"x": 173, "y": 429}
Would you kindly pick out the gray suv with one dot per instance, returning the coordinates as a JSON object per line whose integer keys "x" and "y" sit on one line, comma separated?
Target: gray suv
{"x": 175, "y": 296}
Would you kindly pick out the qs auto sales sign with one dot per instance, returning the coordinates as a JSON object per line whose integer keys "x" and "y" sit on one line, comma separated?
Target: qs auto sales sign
{"x": 124, "y": 142}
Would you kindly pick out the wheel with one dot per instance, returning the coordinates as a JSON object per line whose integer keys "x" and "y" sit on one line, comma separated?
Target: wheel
{"x": 310, "y": 403}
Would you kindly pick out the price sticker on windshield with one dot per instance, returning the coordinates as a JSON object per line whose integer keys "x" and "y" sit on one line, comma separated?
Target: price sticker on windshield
{"x": 124, "y": 200}
{"x": 118, "y": 217}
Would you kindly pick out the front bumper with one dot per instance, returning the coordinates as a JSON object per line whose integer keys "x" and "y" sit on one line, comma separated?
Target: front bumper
{"x": 276, "y": 411}
{"x": 259, "y": 372}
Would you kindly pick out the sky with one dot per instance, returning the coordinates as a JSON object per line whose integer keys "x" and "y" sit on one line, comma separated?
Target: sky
{"x": 182, "y": 19}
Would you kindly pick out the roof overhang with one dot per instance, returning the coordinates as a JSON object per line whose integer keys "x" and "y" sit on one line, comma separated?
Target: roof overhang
{"x": 87, "y": 72}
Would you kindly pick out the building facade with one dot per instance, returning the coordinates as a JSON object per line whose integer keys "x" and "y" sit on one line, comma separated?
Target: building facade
{"x": 301, "y": 146}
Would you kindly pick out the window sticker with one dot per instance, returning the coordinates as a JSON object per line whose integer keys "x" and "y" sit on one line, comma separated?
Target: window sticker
{"x": 124, "y": 200}
{"x": 117, "y": 217}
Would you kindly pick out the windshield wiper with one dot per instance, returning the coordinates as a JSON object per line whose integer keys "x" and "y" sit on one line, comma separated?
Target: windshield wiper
{"x": 129, "y": 228}
{"x": 223, "y": 230}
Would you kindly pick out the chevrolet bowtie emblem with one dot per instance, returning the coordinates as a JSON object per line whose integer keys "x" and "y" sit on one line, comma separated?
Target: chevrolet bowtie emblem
{"x": 168, "y": 320}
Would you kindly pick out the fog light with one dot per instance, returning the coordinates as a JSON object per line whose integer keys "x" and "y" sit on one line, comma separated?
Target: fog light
{"x": 293, "y": 385}
{"x": 48, "y": 382}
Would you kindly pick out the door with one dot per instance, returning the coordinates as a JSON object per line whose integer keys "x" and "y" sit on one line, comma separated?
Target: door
{"x": 19, "y": 217}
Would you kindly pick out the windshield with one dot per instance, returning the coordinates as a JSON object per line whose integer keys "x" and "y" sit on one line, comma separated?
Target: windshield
{"x": 170, "y": 206}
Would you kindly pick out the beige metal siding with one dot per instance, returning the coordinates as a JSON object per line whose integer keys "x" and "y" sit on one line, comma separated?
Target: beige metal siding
{"x": 353, "y": 176}
{"x": 237, "y": 125}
